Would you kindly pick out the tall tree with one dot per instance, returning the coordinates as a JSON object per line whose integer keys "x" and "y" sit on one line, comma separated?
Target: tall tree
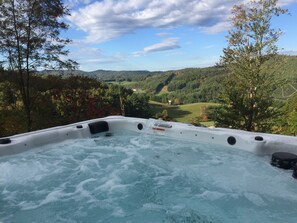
{"x": 287, "y": 121}
{"x": 251, "y": 58}
{"x": 30, "y": 40}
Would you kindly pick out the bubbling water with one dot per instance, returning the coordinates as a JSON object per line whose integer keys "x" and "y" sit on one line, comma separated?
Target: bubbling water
{"x": 143, "y": 178}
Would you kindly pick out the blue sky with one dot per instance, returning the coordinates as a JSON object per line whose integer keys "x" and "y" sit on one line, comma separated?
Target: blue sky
{"x": 158, "y": 34}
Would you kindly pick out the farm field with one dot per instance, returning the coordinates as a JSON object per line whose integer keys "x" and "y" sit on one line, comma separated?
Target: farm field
{"x": 182, "y": 113}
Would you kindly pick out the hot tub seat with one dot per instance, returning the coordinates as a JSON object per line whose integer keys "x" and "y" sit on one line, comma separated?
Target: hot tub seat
{"x": 257, "y": 143}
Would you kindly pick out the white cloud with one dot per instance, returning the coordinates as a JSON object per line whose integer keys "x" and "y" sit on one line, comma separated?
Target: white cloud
{"x": 209, "y": 46}
{"x": 286, "y": 2}
{"x": 108, "y": 19}
{"x": 218, "y": 27}
{"x": 90, "y": 57}
{"x": 77, "y": 3}
{"x": 165, "y": 45}
{"x": 163, "y": 34}
{"x": 289, "y": 52}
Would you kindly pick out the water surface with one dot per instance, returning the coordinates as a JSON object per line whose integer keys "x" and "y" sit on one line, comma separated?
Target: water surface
{"x": 143, "y": 178}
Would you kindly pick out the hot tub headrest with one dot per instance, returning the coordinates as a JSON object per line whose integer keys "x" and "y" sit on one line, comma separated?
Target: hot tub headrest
{"x": 97, "y": 127}
{"x": 5, "y": 141}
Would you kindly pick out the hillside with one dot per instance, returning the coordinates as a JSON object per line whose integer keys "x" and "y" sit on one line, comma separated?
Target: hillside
{"x": 188, "y": 85}
{"x": 184, "y": 86}
{"x": 287, "y": 71}
{"x": 185, "y": 113}
{"x": 193, "y": 85}
{"x": 106, "y": 75}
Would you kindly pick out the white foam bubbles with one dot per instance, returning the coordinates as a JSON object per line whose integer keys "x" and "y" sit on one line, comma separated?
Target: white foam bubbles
{"x": 211, "y": 195}
{"x": 255, "y": 199}
{"x": 128, "y": 178}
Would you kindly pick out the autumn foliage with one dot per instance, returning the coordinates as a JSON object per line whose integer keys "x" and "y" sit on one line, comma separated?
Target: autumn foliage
{"x": 59, "y": 101}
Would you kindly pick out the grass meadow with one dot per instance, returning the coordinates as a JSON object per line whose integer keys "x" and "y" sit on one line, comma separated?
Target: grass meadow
{"x": 182, "y": 113}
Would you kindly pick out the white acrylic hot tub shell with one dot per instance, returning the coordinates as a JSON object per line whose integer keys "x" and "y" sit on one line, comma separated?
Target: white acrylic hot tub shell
{"x": 244, "y": 140}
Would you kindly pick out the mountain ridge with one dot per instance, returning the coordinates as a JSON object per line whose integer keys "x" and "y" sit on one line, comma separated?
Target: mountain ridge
{"x": 188, "y": 85}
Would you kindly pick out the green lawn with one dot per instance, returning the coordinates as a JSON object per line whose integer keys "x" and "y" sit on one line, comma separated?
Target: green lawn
{"x": 182, "y": 113}
{"x": 127, "y": 84}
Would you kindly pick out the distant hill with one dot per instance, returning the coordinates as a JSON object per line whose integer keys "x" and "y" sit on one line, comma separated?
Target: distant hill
{"x": 288, "y": 72}
{"x": 185, "y": 86}
{"x": 106, "y": 75}
{"x": 288, "y": 69}
{"x": 193, "y": 85}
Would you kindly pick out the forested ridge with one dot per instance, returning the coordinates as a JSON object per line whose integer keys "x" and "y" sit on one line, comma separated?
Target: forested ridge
{"x": 105, "y": 75}
{"x": 253, "y": 86}
{"x": 185, "y": 86}
{"x": 74, "y": 96}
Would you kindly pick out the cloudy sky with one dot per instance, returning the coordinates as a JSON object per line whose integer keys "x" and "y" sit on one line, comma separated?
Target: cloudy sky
{"x": 158, "y": 34}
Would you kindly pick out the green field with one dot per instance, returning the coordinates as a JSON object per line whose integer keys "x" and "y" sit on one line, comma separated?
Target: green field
{"x": 127, "y": 84}
{"x": 182, "y": 113}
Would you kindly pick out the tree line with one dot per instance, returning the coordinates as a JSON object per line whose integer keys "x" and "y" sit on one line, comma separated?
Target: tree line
{"x": 248, "y": 74}
{"x": 194, "y": 85}
{"x": 58, "y": 101}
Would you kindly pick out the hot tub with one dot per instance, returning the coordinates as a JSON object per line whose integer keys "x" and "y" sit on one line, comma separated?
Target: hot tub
{"x": 119, "y": 169}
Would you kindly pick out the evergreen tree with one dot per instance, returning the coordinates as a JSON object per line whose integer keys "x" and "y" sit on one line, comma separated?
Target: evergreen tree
{"x": 251, "y": 59}
{"x": 287, "y": 122}
{"x": 29, "y": 40}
